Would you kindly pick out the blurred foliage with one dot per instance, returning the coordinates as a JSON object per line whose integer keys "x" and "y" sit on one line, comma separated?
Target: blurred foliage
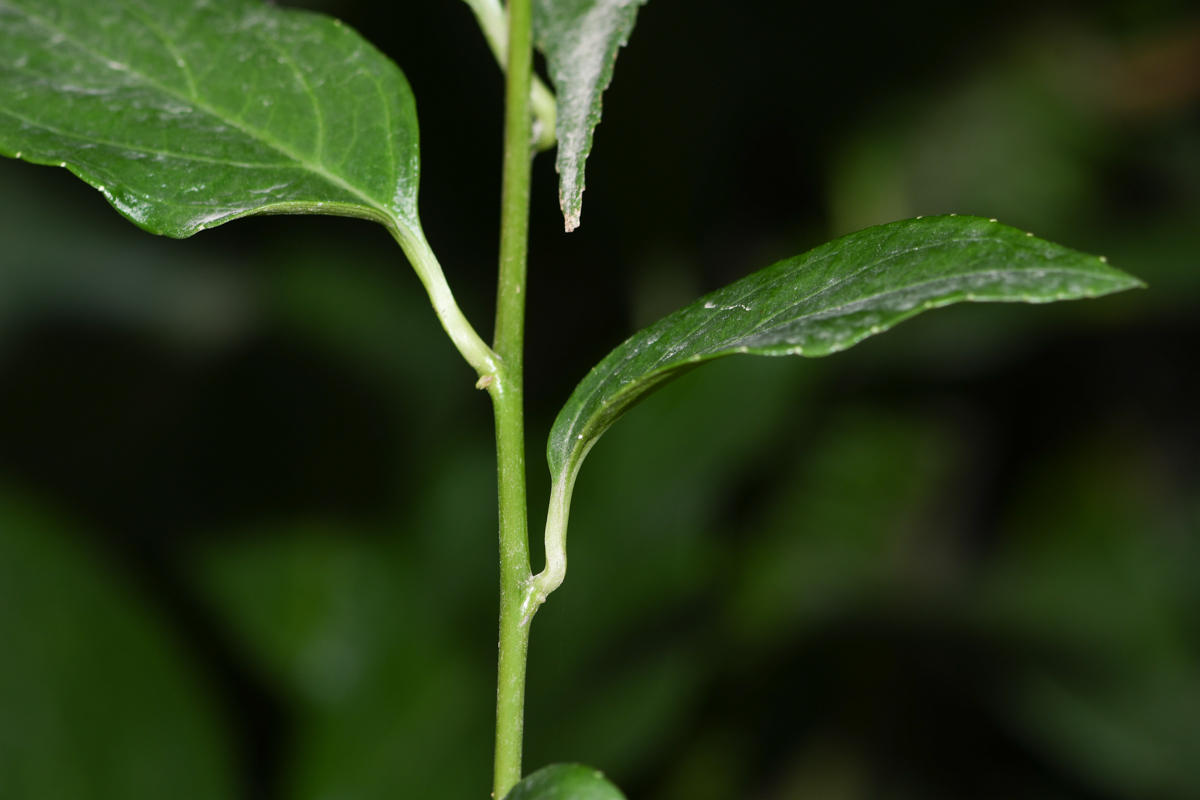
{"x": 247, "y": 535}
{"x": 96, "y": 698}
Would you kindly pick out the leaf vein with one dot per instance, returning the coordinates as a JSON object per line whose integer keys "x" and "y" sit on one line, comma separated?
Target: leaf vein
{"x": 146, "y": 19}
{"x": 141, "y": 148}
{"x": 241, "y": 124}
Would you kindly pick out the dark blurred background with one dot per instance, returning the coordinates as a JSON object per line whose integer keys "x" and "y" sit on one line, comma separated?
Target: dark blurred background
{"x": 247, "y": 498}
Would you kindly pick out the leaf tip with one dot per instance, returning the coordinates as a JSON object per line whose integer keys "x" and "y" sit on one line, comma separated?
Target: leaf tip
{"x": 571, "y": 220}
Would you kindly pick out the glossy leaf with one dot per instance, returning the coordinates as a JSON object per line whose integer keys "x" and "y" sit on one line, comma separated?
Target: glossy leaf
{"x": 815, "y": 304}
{"x": 189, "y": 113}
{"x": 580, "y": 39}
{"x": 827, "y": 300}
{"x": 565, "y": 782}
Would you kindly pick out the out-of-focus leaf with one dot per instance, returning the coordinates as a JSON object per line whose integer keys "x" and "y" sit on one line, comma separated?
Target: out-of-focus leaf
{"x": 825, "y": 301}
{"x": 565, "y": 782}
{"x": 580, "y": 39}
{"x": 1016, "y": 137}
{"x": 111, "y": 273}
{"x": 95, "y": 701}
{"x": 845, "y": 530}
{"x": 624, "y": 718}
{"x": 356, "y": 636}
{"x": 190, "y": 114}
{"x": 1101, "y": 583}
{"x": 1133, "y": 731}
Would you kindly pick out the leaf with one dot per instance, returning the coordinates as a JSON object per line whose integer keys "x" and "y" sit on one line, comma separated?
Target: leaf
{"x": 815, "y": 304}
{"x": 841, "y": 529}
{"x": 565, "y": 782}
{"x": 827, "y": 300}
{"x": 189, "y": 113}
{"x": 580, "y": 39}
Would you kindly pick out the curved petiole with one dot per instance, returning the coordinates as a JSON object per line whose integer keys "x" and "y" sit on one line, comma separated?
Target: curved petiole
{"x": 462, "y": 334}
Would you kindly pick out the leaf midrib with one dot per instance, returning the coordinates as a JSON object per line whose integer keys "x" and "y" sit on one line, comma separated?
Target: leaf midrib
{"x": 768, "y": 323}
{"x": 811, "y": 262}
{"x": 141, "y": 148}
{"x": 250, "y": 131}
{"x": 146, "y": 19}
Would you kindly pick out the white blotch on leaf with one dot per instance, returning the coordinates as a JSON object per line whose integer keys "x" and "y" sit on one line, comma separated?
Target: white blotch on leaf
{"x": 585, "y": 47}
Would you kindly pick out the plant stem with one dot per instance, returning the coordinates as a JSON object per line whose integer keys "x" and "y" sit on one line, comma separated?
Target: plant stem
{"x": 507, "y": 392}
{"x": 515, "y": 608}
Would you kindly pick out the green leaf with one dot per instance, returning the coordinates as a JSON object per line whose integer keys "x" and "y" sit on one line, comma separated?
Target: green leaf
{"x": 827, "y": 300}
{"x": 565, "y": 782}
{"x": 815, "y": 304}
{"x": 189, "y": 113}
{"x": 580, "y": 39}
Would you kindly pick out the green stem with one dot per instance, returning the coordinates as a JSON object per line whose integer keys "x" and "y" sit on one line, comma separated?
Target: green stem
{"x": 507, "y": 390}
{"x": 516, "y": 610}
